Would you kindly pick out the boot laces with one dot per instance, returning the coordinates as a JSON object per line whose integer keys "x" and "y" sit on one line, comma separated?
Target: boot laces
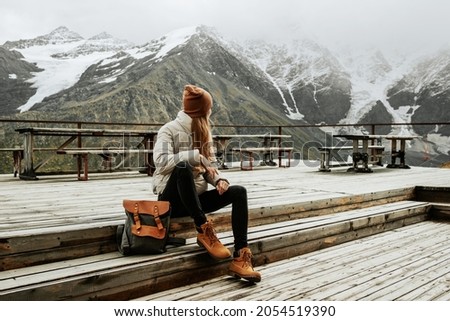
{"x": 211, "y": 234}
{"x": 247, "y": 259}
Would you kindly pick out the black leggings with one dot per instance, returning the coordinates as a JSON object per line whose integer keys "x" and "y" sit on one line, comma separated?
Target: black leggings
{"x": 180, "y": 192}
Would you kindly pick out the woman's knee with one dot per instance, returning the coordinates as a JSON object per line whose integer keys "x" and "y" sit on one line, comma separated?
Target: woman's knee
{"x": 238, "y": 192}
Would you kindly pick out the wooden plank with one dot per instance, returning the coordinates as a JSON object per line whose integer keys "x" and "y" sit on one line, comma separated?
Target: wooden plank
{"x": 346, "y": 147}
{"x": 415, "y": 276}
{"x": 363, "y": 277}
{"x": 93, "y": 131}
{"x": 11, "y": 149}
{"x": 441, "y": 292}
{"x": 334, "y": 269}
{"x": 66, "y": 252}
{"x": 57, "y": 239}
{"x": 388, "y": 286}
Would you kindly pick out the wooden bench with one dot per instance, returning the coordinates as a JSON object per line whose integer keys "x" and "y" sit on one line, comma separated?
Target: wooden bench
{"x": 17, "y": 158}
{"x": 145, "y": 139}
{"x": 398, "y": 152}
{"x": 325, "y": 157}
{"x": 106, "y": 154}
{"x": 376, "y": 157}
{"x": 221, "y": 144}
{"x": 246, "y": 155}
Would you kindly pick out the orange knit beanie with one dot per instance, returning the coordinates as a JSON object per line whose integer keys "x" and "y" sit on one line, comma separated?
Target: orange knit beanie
{"x": 196, "y": 101}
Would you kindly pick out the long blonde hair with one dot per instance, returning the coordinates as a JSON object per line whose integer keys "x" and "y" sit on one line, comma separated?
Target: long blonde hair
{"x": 201, "y": 135}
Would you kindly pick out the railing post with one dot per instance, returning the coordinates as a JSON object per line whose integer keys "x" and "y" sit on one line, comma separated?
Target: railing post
{"x": 372, "y": 131}
{"x": 79, "y": 136}
{"x": 80, "y": 159}
{"x": 279, "y": 145}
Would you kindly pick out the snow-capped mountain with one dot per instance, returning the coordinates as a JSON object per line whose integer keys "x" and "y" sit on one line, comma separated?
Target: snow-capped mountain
{"x": 253, "y": 82}
{"x": 63, "y": 56}
{"x": 102, "y": 42}
{"x": 109, "y": 69}
{"x": 305, "y": 74}
{"x": 58, "y": 36}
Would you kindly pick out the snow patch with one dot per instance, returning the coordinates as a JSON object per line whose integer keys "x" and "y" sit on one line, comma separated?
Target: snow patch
{"x": 262, "y": 59}
{"x": 175, "y": 39}
{"x": 164, "y": 45}
{"x": 442, "y": 143}
{"x": 58, "y": 74}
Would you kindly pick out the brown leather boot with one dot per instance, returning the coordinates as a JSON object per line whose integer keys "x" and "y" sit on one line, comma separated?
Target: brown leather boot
{"x": 242, "y": 267}
{"x": 207, "y": 238}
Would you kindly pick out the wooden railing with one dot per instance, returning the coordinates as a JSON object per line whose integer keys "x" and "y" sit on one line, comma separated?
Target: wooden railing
{"x": 9, "y": 138}
{"x": 278, "y": 129}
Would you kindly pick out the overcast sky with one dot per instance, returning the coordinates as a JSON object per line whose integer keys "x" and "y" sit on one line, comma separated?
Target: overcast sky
{"x": 399, "y": 24}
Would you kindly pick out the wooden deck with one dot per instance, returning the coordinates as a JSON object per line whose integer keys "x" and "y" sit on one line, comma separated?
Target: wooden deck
{"x": 410, "y": 263}
{"x": 407, "y": 261}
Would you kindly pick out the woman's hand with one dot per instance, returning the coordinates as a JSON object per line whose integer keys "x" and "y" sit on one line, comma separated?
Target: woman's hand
{"x": 211, "y": 171}
{"x": 222, "y": 186}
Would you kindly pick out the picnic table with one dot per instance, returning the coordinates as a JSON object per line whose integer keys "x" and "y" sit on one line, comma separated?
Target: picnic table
{"x": 361, "y": 147}
{"x": 398, "y": 152}
{"x": 267, "y": 144}
{"x": 144, "y": 145}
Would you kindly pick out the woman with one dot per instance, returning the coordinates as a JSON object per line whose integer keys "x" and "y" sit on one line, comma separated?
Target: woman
{"x": 182, "y": 157}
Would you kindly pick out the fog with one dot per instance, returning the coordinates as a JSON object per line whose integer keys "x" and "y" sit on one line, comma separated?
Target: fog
{"x": 387, "y": 24}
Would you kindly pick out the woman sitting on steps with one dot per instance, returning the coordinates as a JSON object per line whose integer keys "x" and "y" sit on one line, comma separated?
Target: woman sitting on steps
{"x": 183, "y": 157}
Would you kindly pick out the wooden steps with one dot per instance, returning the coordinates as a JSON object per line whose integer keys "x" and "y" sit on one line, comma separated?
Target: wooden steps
{"x": 110, "y": 276}
{"x": 54, "y": 239}
{"x": 61, "y": 231}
